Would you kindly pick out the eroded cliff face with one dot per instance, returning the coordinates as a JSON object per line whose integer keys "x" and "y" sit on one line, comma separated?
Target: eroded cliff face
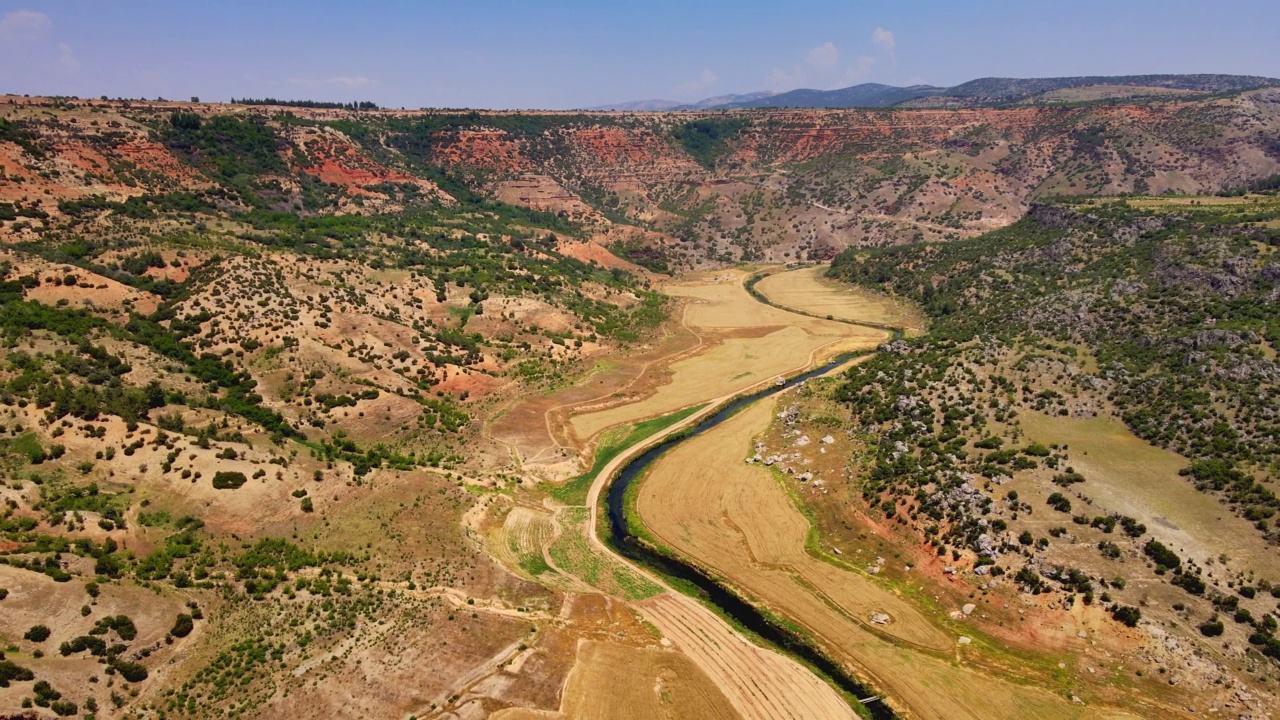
{"x": 773, "y": 185}
{"x": 331, "y": 157}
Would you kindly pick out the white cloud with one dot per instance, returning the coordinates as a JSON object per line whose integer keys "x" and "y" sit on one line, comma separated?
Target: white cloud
{"x": 824, "y": 66}
{"x": 704, "y": 81}
{"x": 66, "y": 61}
{"x": 780, "y": 80}
{"x": 24, "y": 26}
{"x": 28, "y": 50}
{"x": 352, "y": 82}
{"x": 887, "y": 43}
{"x": 824, "y": 57}
{"x": 860, "y": 71}
{"x": 345, "y": 81}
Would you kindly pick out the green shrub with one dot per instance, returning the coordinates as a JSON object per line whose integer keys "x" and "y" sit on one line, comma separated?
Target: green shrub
{"x": 1161, "y": 555}
{"x": 95, "y": 645}
{"x": 1059, "y": 502}
{"x": 1211, "y": 628}
{"x": 122, "y": 624}
{"x": 229, "y": 479}
{"x": 131, "y": 671}
{"x": 1126, "y": 614}
{"x": 11, "y": 672}
{"x": 1189, "y": 582}
{"x": 183, "y": 626}
{"x": 1036, "y": 450}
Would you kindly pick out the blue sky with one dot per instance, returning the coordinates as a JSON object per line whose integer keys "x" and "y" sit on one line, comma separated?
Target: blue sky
{"x": 579, "y": 53}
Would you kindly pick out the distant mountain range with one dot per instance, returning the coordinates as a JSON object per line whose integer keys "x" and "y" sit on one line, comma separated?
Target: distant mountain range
{"x": 719, "y": 101}
{"x": 975, "y": 93}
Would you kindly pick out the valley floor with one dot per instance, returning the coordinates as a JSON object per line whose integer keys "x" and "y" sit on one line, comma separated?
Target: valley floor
{"x": 763, "y": 531}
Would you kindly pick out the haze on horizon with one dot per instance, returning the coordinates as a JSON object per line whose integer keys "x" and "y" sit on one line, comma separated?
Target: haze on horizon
{"x": 575, "y": 53}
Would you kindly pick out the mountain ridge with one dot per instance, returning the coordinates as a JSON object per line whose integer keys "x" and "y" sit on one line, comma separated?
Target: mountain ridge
{"x": 667, "y": 191}
{"x": 659, "y": 105}
{"x": 979, "y": 92}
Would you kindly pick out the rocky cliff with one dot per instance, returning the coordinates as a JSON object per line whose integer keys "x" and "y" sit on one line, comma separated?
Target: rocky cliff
{"x": 667, "y": 189}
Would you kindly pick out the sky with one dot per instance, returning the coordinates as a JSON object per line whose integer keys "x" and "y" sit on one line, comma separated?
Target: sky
{"x": 582, "y": 53}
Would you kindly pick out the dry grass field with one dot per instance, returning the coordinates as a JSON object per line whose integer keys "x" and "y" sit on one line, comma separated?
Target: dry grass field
{"x": 748, "y": 343}
{"x": 808, "y": 290}
{"x": 761, "y": 684}
{"x": 1130, "y": 476}
{"x": 534, "y": 428}
{"x": 70, "y": 611}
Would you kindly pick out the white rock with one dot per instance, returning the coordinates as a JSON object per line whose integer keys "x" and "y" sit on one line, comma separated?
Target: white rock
{"x": 968, "y": 608}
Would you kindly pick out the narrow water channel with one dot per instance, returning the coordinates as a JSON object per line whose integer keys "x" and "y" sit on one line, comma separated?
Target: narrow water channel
{"x": 625, "y": 542}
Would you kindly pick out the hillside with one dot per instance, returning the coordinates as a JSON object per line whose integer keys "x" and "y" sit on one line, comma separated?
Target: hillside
{"x": 245, "y": 375}
{"x": 667, "y": 190}
{"x": 299, "y": 406}
{"x": 1009, "y": 439}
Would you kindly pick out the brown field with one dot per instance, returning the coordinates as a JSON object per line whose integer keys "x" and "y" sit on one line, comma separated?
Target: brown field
{"x": 748, "y": 343}
{"x": 1183, "y": 202}
{"x": 761, "y": 684}
{"x": 809, "y": 290}
{"x": 642, "y": 684}
{"x": 1127, "y": 475}
{"x": 705, "y": 502}
{"x": 534, "y": 428}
